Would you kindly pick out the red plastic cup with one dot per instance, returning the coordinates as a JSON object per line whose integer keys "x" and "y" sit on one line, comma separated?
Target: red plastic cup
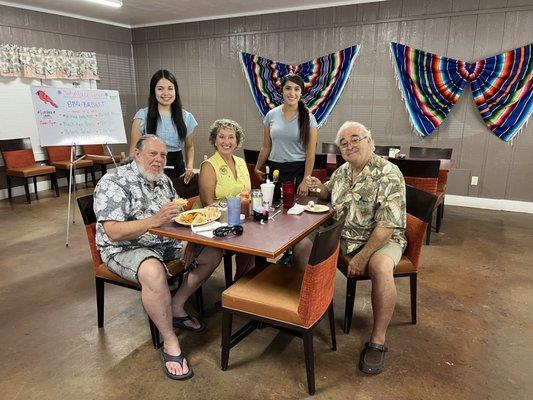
{"x": 288, "y": 194}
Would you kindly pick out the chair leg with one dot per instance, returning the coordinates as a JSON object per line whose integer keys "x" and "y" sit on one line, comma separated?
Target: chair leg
{"x": 351, "y": 285}
{"x": 227, "y": 319}
{"x": 53, "y": 179}
{"x": 228, "y": 270}
{"x": 27, "y": 189}
{"x": 437, "y": 223}
{"x": 100, "y": 301}
{"x": 104, "y": 169}
{"x": 92, "y": 177}
{"x": 428, "y": 231}
{"x": 198, "y": 295}
{"x": 156, "y": 340}
{"x": 331, "y": 315}
{"x": 413, "y": 283}
{"x": 442, "y": 210}
{"x": 9, "y": 187}
{"x": 309, "y": 361}
{"x": 35, "y": 187}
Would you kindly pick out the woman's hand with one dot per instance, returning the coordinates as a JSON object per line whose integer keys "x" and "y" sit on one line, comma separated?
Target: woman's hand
{"x": 188, "y": 253}
{"x": 303, "y": 189}
{"x": 187, "y": 176}
{"x": 260, "y": 174}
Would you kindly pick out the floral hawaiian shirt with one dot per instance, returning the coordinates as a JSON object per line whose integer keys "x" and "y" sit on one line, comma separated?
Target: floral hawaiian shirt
{"x": 375, "y": 198}
{"x": 125, "y": 195}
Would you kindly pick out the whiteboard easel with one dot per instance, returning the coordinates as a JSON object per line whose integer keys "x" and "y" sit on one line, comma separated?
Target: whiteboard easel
{"x": 73, "y": 116}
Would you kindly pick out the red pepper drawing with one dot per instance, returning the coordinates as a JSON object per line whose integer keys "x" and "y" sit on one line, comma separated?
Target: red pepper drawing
{"x": 45, "y": 98}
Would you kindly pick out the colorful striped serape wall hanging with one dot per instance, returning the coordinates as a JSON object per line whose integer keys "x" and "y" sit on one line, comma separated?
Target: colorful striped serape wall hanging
{"x": 325, "y": 78}
{"x": 502, "y": 87}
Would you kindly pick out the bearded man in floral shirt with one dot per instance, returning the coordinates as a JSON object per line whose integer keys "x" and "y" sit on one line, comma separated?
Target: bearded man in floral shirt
{"x": 128, "y": 201}
{"x": 372, "y": 191}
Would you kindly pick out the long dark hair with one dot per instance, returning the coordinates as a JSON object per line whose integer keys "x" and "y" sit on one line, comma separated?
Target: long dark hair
{"x": 303, "y": 112}
{"x": 175, "y": 107}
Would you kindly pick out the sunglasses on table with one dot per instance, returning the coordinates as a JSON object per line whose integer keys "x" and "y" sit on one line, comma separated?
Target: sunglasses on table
{"x": 224, "y": 231}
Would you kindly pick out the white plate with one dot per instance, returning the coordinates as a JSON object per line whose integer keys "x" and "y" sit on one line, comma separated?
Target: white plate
{"x": 179, "y": 219}
{"x": 318, "y": 208}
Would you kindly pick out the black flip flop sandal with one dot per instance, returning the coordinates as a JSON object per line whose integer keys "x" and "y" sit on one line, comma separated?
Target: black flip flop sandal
{"x": 177, "y": 359}
{"x": 179, "y": 322}
{"x": 372, "y": 358}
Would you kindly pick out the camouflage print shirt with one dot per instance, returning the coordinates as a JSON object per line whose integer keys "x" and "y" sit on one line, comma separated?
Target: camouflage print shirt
{"x": 375, "y": 198}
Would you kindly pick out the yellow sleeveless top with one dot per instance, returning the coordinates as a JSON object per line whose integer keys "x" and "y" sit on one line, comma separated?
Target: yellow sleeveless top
{"x": 227, "y": 184}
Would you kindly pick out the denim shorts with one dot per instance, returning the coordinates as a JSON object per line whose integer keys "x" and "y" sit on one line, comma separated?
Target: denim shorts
{"x": 126, "y": 263}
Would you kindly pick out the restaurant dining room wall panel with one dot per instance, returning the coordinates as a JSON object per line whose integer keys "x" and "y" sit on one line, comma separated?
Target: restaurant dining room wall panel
{"x": 111, "y": 44}
{"x": 467, "y": 30}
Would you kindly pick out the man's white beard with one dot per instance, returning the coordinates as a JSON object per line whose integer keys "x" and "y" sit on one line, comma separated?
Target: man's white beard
{"x": 149, "y": 176}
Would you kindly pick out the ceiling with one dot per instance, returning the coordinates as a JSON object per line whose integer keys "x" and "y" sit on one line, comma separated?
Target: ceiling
{"x": 136, "y": 13}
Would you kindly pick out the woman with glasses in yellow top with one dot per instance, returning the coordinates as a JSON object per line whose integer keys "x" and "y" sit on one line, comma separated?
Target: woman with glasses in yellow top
{"x": 224, "y": 174}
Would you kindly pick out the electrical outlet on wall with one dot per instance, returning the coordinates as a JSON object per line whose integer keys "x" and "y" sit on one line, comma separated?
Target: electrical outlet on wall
{"x": 474, "y": 180}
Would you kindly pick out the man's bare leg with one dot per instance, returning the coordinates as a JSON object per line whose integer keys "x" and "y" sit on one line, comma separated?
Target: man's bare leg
{"x": 156, "y": 300}
{"x": 380, "y": 269}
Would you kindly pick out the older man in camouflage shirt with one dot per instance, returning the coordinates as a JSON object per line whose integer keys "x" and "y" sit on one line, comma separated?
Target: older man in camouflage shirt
{"x": 373, "y": 192}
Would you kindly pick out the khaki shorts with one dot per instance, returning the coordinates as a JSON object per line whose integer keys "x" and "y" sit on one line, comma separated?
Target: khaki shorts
{"x": 391, "y": 249}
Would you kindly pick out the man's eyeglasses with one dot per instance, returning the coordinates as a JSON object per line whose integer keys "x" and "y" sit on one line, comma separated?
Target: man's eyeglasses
{"x": 224, "y": 231}
{"x": 353, "y": 140}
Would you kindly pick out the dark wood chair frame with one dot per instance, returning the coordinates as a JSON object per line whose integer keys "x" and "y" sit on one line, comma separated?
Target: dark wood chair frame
{"x": 384, "y": 150}
{"x": 322, "y": 249}
{"x": 25, "y": 144}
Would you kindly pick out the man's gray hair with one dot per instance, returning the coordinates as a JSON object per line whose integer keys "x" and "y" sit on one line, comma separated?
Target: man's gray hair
{"x": 140, "y": 142}
{"x": 352, "y": 124}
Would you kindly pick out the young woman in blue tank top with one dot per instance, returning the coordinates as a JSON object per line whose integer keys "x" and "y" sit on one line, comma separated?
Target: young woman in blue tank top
{"x": 166, "y": 118}
{"x": 289, "y": 136}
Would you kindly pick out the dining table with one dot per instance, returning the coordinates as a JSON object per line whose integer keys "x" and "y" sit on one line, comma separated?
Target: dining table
{"x": 270, "y": 239}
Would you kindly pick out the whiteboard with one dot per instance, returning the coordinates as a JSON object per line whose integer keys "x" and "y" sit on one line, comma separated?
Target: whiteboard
{"x": 72, "y": 116}
{"x": 17, "y": 117}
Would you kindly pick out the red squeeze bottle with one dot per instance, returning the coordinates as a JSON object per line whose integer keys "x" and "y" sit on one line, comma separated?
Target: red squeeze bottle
{"x": 245, "y": 203}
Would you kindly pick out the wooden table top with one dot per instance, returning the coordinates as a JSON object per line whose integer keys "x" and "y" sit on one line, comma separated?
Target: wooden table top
{"x": 268, "y": 240}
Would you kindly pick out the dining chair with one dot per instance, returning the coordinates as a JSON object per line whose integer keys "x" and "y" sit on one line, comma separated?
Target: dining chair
{"x": 330, "y": 149}
{"x": 420, "y": 206}
{"x": 95, "y": 152}
{"x": 422, "y": 174}
{"x": 59, "y": 157}
{"x": 292, "y": 300}
{"x": 320, "y": 168}
{"x": 20, "y": 162}
{"x": 384, "y": 150}
{"x": 436, "y": 153}
{"x": 103, "y": 275}
{"x": 250, "y": 157}
{"x": 340, "y": 160}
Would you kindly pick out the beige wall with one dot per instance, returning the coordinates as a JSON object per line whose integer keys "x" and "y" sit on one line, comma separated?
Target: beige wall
{"x": 204, "y": 57}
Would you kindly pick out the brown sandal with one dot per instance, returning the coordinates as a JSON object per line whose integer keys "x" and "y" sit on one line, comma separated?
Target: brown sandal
{"x": 372, "y": 358}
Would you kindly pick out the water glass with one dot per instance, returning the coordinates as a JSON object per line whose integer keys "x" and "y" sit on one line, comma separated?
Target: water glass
{"x": 234, "y": 210}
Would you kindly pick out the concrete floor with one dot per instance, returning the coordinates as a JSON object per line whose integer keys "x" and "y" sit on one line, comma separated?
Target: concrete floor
{"x": 473, "y": 340}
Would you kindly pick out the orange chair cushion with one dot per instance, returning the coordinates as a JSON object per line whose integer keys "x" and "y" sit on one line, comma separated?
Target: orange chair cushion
{"x": 271, "y": 292}
{"x": 66, "y": 164}
{"x": 17, "y": 159}
{"x": 58, "y": 153}
{"x": 440, "y": 197}
{"x": 35, "y": 170}
{"x": 443, "y": 180}
{"x": 97, "y": 159}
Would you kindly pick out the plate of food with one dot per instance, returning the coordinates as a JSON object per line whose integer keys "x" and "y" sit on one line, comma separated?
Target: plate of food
{"x": 316, "y": 208}
{"x": 197, "y": 217}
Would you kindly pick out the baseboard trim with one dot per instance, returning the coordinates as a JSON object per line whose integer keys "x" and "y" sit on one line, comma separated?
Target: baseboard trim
{"x": 489, "y": 204}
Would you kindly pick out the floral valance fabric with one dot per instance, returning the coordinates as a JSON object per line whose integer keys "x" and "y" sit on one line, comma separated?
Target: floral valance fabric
{"x": 39, "y": 63}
